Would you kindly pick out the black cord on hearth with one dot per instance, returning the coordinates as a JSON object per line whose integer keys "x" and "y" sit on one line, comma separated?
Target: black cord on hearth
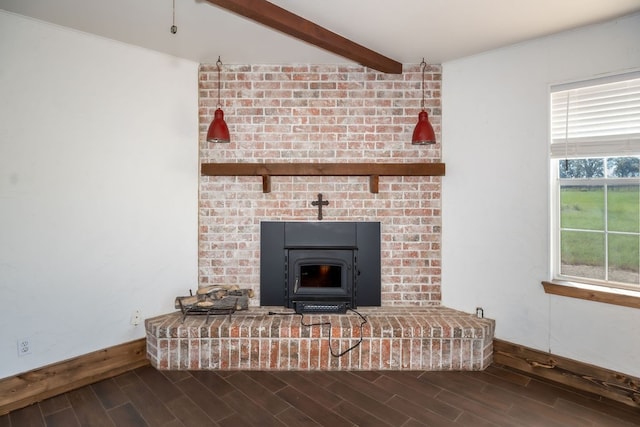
{"x": 333, "y": 353}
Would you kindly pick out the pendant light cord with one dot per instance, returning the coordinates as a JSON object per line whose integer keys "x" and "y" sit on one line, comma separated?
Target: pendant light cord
{"x": 423, "y": 65}
{"x": 566, "y": 135}
{"x": 174, "y": 29}
{"x": 219, "y": 65}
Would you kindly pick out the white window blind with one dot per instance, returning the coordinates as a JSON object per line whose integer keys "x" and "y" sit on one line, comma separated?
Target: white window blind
{"x": 596, "y": 118}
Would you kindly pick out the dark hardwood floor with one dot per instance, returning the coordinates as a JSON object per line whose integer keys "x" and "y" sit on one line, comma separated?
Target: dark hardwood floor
{"x": 497, "y": 396}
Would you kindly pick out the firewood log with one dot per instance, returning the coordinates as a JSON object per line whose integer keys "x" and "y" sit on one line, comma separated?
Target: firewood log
{"x": 187, "y": 301}
{"x": 212, "y": 288}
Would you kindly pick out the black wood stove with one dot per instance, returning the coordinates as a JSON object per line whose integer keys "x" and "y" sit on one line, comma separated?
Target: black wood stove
{"x": 320, "y": 267}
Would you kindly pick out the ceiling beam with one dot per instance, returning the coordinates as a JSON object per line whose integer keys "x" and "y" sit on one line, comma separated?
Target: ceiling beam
{"x": 282, "y": 20}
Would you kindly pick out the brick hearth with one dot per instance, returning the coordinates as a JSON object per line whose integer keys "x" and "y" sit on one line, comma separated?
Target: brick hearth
{"x": 394, "y": 338}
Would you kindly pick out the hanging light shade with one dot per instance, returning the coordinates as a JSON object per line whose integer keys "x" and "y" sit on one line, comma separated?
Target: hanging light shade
{"x": 423, "y": 133}
{"x": 218, "y": 129}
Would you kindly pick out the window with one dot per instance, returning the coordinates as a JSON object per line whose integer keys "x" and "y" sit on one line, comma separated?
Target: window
{"x": 595, "y": 170}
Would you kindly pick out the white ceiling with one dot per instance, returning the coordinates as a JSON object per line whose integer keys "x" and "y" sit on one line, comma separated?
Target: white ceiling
{"x": 404, "y": 30}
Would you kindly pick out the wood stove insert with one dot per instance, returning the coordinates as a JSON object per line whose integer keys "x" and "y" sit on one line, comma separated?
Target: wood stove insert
{"x": 320, "y": 267}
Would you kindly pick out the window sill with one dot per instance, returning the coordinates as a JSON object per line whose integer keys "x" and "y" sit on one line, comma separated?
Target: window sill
{"x": 593, "y": 293}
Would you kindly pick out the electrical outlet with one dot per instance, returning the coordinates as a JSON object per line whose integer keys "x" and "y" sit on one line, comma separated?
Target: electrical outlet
{"x": 24, "y": 346}
{"x": 136, "y": 318}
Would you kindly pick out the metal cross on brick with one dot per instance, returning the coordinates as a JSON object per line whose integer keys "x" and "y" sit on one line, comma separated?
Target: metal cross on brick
{"x": 320, "y": 203}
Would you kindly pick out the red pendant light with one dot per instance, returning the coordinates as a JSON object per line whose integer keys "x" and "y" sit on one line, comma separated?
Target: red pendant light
{"x": 218, "y": 129}
{"x": 423, "y": 133}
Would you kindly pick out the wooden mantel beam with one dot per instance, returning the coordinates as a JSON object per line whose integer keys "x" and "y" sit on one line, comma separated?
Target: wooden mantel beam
{"x": 282, "y": 20}
{"x": 322, "y": 169}
{"x": 373, "y": 170}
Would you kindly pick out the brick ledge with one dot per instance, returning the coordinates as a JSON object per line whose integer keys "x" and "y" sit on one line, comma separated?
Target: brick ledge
{"x": 423, "y": 338}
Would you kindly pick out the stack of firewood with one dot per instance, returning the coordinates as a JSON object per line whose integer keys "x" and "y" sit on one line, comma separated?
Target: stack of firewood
{"x": 222, "y": 297}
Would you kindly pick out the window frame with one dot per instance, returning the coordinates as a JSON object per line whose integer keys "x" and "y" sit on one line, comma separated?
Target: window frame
{"x": 556, "y": 226}
{"x": 577, "y": 287}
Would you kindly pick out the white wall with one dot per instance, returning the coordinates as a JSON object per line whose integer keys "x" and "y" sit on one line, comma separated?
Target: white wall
{"x": 98, "y": 189}
{"x": 495, "y": 195}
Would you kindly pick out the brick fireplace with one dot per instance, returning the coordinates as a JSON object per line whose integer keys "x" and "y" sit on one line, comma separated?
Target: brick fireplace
{"x": 315, "y": 114}
{"x": 322, "y": 114}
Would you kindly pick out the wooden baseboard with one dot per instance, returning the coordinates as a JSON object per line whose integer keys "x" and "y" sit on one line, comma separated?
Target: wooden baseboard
{"x": 578, "y": 375}
{"x": 30, "y": 387}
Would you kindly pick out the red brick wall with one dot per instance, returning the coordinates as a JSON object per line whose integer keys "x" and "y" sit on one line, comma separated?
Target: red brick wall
{"x": 323, "y": 113}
